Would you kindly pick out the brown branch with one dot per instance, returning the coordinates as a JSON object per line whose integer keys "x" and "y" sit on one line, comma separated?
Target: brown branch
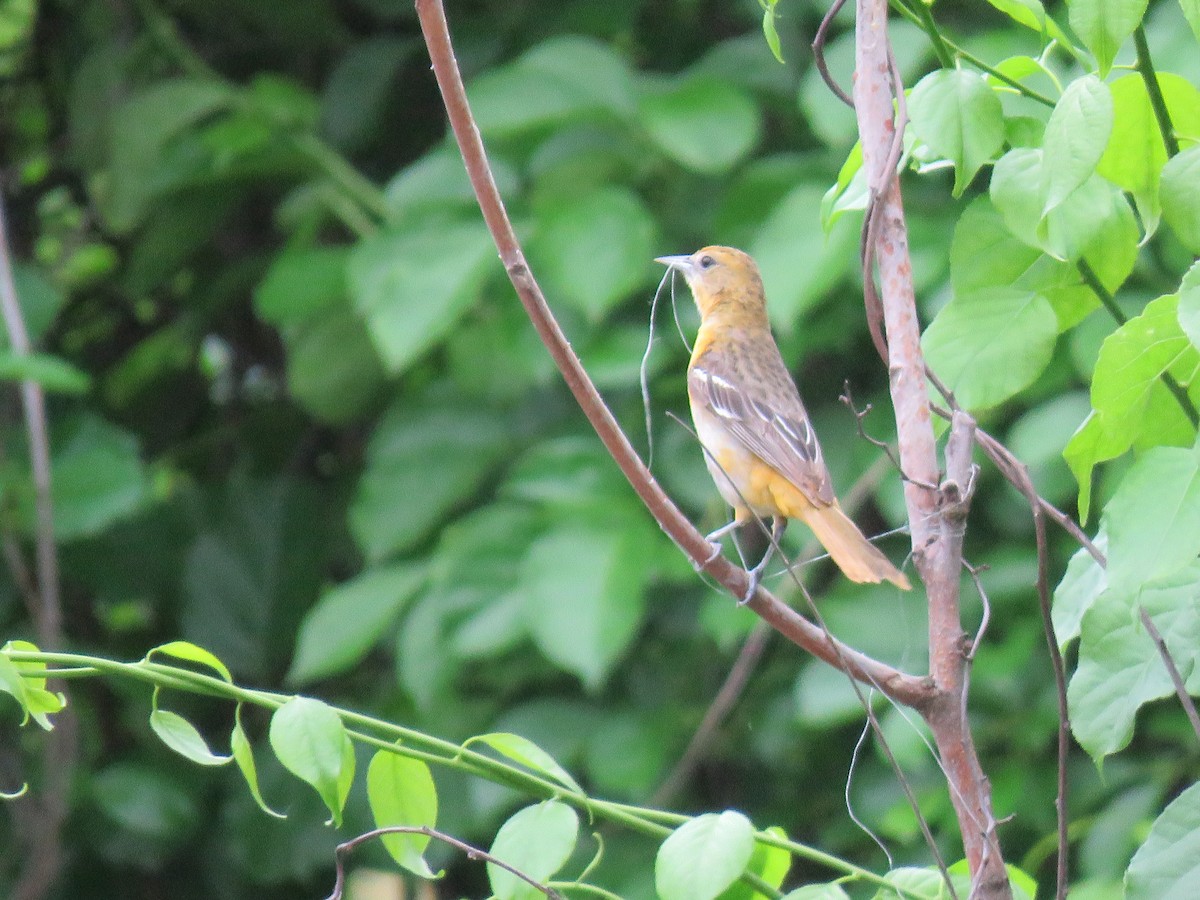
{"x": 818, "y": 49}
{"x": 472, "y": 852}
{"x": 1189, "y": 707}
{"x": 936, "y": 518}
{"x": 47, "y": 810}
{"x": 905, "y": 688}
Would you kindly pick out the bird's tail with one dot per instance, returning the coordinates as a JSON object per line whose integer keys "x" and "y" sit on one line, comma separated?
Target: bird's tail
{"x": 857, "y": 557}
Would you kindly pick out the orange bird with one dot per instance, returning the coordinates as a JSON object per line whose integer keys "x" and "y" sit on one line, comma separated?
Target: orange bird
{"x": 759, "y": 445}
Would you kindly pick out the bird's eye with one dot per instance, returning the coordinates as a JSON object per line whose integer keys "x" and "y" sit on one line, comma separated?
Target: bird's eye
{"x": 707, "y": 262}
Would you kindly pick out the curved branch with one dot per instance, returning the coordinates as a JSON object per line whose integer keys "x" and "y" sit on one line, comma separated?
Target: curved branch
{"x": 903, "y": 687}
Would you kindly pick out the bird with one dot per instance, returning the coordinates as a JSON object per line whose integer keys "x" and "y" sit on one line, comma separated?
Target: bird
{"x": 758, "y": 442}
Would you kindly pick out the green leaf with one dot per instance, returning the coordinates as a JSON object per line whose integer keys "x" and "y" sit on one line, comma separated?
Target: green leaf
{"x": 771, "y": 864}
{"x": 401, "y": 792}
{"x": 413, "y": 283}
{"x": 1189, "y": 304}
{"x": 1104, "y": 25}
{"x": 1136, "y": 154}
{"x": 1153, "y": 520}
{"x": 333, "y": 368}
{"x": 984, "y": 252}
{"x": 1032, "y": 14}
{"x": 309, "y": 739}
{"x": 143, "y": 129}
{"x": 1075, "y": 139}
{"x": 1127, "y": 379}
{"x": 704, "y": 856}
{"x": 40, "y": 301}
{"x": 770, "y": 33}
{"x": 560, "y": 80}
{"x": 1179, "y": 194}
{"x": 1084, "y": 581}
{"x": 538, "y": 841}
{"x": 243, "y": 755}
{"x": 703, "y": 123}
{"x": 421, "y": 461}
{"x": 582, "y": 586}
{"x": 959, "y": 117}
{"x": 438, "y": 181}
{"x": 829, "y": 891}
{"x": 30, "y": 689}
{"x": 98, "y": 478}
{"x": 800, "y": 264}
{"x": 1120, "y": 668}
{"x": 350, "y": 618}
{"x": 592, "y": 250}
{"x": 181, "y": 736}
{"x": 990, "y": 344}
{"x": 1191, "y": 12}
{"x": 527, "y": 753}
{"x": 188, "y": 651}
{"x": 302, "y": 284}
{"x": 1167, "y": 866}
{"x": 53, "y": 373}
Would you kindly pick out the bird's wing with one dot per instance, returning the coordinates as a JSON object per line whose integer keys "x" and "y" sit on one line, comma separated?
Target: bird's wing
{"x": 781, "y": 437}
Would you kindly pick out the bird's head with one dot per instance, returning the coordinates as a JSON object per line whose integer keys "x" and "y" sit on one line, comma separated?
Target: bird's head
{"x": 721, "y": 278}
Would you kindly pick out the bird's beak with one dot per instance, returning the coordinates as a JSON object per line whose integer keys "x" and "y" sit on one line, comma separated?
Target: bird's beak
{"x": 681, "y": 263}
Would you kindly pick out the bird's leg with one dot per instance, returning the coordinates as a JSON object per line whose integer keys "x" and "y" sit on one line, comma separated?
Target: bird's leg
{"x": 714, "y": 537}
{"x": 778, "y": 526}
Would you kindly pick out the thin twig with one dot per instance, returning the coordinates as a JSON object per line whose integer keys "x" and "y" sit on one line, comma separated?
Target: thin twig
{"x": 818, "y": 48}
{"x": 1185, "y": 698}
{"x": 43, "y": 861}
{"x": 906, "y": 688}
{"x": 472, "y": 852}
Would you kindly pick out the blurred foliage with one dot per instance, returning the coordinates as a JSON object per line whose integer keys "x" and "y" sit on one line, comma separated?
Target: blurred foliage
{"x": 300, "y": 419}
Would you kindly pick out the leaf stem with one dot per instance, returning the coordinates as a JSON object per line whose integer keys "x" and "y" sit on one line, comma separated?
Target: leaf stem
{"x": 1158, "y": 102}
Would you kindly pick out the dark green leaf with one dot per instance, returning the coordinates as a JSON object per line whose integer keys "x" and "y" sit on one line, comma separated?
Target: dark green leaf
{"x": 52, "y": 373}
{"x": 702, "y": 123}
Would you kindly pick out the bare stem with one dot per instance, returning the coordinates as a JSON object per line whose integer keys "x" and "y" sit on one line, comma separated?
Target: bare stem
{"x": 1185, "y": 698}
{"x": 936, "y": 517}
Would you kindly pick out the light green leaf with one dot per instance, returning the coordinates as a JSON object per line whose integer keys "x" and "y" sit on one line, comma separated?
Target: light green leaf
{"x": 1031, "y": 14}
{"x": 771, "y": 864}
{"x": 582, "y": 586}
{"x": 1153, "y": 520}
{"x": 1136, "y": 154}
{"x": 1167, "y": 866}
{"x": 770, "y": 33}
{"x": 704, "y": 856}
{"x": 243, "y": 755}
{"x": 401, "y": 792}
{"x": 1120, "y": 668}
{"x": 990, "y": 344}
{"x": 413, "y": 283}
{"x": 349, "y": 619}
{"x": 593, "y": 250}
{"x": 1104, "y": 25}
{"x": 1084, "y": 581}
{"x": 421, "y": 461}
{"x": 703, "y": 123}
{"x": 1189, "y": 304}
{"x": 181, "y": 736}
{"x": 188, "y": 651}
{"x": 828, "y": 891}
{"x": 538, "y": 841}
{"x": 1179, "y": 194}
{"x": 1191, "y": 12}
{"x": 1075, "y": 138}
{"x": 309, "y": 739}
{"x": 958, "y": 116}
{"x": 984, "y": 252}
{"x": 527, "y": 753}
{"x": 53, "y": 373}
